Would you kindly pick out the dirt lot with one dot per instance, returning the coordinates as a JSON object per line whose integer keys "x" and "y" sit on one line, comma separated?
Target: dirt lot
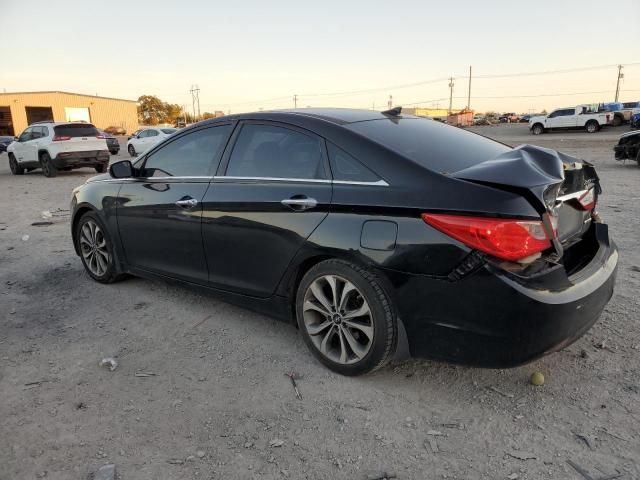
{"x": 219, "y": 406}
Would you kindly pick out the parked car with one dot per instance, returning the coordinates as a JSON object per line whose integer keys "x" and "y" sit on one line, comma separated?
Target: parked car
{"x": 112, "y": 142}
{"x": 146, "y": 138}
{"x": 5, "y": 141}
{"x": 322, "y": 217}
{"x": 116, "y": 130}
{"x": 628, "y": 147}
{"x": 509, "y": 118}
{"x": 55, "y": 146}
{"x": 570, "y": 118}
{"x": 623, "y": 115}
{"x": 635, "y": 119}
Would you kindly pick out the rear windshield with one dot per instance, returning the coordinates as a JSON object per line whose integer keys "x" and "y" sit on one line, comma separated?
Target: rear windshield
{"x": 432, "y": 144}
{"x": 168, "y": 131}
{"x": 76, "y": 130}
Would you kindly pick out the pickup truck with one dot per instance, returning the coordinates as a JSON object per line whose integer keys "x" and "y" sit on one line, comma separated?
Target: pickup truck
{"x": 623, "y": 115}
{"x": 581, "y": 116}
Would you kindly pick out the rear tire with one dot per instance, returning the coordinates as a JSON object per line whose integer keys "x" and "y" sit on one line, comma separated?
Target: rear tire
{"x": 592, "y": 126}
{"x": 96, "y": 249}
{"x": 537, "y": 129}
{"x": 132, "y": 151}
{"x": 48, "y": 168}
{"x": 15, "y": 168}
{"x": 101, "y": 168}
{"x": 346, "y": 318}
{"x": 638, "y": 157}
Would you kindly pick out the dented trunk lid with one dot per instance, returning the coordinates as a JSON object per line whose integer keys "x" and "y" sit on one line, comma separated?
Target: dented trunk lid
{"x": 557, "y": 185}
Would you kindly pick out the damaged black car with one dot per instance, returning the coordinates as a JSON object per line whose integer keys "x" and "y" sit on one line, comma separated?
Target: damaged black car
{"x": 376, "y": 233}
{"x": 628, "y": 147}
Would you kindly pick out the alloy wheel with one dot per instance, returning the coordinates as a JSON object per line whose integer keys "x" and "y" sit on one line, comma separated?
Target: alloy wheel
{"x": 338, "y": 319}
{"x": 93, "y": 246}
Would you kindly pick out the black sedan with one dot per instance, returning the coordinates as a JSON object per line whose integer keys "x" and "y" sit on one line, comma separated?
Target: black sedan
{"x": 376, "y": 232}
{"x": 112, "y": 142}
{"x": 5, "y": 141}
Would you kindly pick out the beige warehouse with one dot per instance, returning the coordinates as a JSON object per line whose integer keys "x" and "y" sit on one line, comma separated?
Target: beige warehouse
{"x": 18, "y": 110}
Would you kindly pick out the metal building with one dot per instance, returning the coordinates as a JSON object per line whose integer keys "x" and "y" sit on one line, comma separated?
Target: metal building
{"x": 19, "y": 110}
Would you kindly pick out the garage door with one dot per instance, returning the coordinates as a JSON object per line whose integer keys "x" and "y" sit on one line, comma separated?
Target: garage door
{"x": 73, "y": 114}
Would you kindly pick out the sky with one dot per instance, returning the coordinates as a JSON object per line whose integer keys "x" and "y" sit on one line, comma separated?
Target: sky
{"x": 248, "y": 55}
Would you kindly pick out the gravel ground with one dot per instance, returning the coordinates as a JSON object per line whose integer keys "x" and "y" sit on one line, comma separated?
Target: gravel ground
{"x": 216, "y": 403}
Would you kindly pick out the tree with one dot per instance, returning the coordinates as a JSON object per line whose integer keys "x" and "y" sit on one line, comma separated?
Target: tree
{"x": 151, "y": 110}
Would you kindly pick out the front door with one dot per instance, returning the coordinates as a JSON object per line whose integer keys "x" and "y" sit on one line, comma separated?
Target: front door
{"x": 272, "y": 191}
{"x": 160, "y": 212}
{"x": 26, "y": 151}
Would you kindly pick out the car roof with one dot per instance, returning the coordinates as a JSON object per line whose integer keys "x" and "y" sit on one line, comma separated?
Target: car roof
{"x": 341, "y": 116}
{"x": 55, "y": 124}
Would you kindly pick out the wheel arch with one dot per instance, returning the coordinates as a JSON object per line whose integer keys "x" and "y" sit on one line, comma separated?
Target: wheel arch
{"x": 77, "y": 215}
{"x": 41, "y": 151}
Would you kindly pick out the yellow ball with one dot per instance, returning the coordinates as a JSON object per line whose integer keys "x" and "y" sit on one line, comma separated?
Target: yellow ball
{"x": 537, "y": 379}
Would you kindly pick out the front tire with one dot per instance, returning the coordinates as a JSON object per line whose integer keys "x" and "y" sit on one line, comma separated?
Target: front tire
{"x": 101, "y": 168}
{"x": 592, "y": 126}
{"x": 346, "y": 318}
{"x": 15, "y": 168}
{"x": 48, "y": 168}
{"x": 537, "y": 129}
{"x": 96, "y": 250}
{"x": 132, "y": 151}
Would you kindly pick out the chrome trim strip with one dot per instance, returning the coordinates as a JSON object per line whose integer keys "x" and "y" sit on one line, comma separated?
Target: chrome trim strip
{"x": 570, "y": 196}
{"x": 379, "y": 183}
{"x": 273, "y": 179}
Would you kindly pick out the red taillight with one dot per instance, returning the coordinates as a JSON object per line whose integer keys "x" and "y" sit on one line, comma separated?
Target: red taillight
{"x": 60, "y": 138}
{"x": 100, "y": 136}
{"x": 502, "y": 238}
{"x": 588, "y": 200}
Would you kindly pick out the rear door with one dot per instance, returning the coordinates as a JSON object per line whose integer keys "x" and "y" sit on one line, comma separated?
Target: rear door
{"x": 273, "y": 189}
{"x": 160, "y": 212}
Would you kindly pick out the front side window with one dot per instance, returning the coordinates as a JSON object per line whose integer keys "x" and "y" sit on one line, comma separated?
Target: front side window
{"x": 152, "y": 133}
{"x": 188, "y": 156}
{"x": 268, "y": 151}
{"x": 346, "y": 168}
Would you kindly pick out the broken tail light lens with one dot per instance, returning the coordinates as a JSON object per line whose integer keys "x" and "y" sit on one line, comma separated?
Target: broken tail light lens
{"x": 508, "y": 239}
{"x": 60, "y": 138}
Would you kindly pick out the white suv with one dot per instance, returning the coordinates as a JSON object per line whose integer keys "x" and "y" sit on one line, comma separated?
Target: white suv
{"x": 146, "y": 138}
{"x": 55, "y": 146}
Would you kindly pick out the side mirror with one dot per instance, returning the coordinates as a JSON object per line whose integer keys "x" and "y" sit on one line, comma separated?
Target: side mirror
{"x": 121, "y": 169}
{"x": 15, "y": 139}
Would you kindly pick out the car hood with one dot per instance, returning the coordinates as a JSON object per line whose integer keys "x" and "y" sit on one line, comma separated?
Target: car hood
{"x": 630, "y": 134}
{"x": 99, "y": 178}
{"x": 537, "y": 117}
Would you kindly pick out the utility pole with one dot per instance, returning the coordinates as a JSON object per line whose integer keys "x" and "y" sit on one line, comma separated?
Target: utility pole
{"x": 193, "y": 102}
{"x": 390, "y": 102}
{"x": 469, "y": 95}
{"x": 620, "y": 75}
{"x": 295, "y": 100}
{"x": 450, "y": 93}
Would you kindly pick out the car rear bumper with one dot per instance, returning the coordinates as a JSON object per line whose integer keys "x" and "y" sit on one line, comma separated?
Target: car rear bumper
{"x": 490, "y": 319}
{"x": 81, "y": 159}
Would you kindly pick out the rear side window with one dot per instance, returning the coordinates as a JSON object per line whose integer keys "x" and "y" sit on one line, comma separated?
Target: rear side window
{"x": 346, "y": 168}
{"x": 433, "y": 145}
{"x": 269, "y": 151}
{"x": 76, "y": 130}
{"x": 188, "y": 156}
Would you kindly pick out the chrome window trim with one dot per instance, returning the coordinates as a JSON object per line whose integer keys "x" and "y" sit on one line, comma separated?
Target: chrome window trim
{"x": 378, "y": 183}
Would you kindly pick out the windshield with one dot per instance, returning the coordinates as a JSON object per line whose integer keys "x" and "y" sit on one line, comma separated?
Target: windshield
{"x": 433, "y": 145}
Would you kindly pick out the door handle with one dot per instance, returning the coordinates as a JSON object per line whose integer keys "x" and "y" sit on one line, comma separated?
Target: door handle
{"x": 300, "y": 203}
{"x": 187, "y": 203}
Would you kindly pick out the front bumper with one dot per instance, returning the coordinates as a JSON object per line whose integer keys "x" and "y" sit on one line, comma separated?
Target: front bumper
{"x": 89, "y": 158}
{"x": 492, "y": 319}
